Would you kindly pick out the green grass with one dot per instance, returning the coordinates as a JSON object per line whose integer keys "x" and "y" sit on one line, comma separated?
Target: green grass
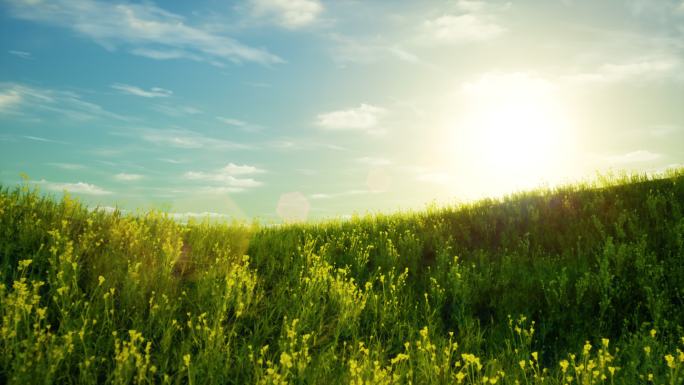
{"x": 579, "y": 284}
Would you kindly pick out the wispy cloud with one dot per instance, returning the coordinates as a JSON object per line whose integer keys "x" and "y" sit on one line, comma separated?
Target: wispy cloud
{"x": 154, "y": 92}
{"x": 296, "y": 144}
{"x": 141, "y": 29}
{"x": 20, "y": 99}
{"x": 345, "y": 50}
{"x": 20, "y": 54}
{"x": 366, "y": 117}
{"x": 68, "y": 166}
{"x": 125, "y": 177}
{"x": 319, "y": 196}
{"x": 455, "y": 29}
{"x": 227, "y": 179}
{"x": 639, "y": 69}
{"x": 290, "y": 14}
{"x": 374, "y": 161}
{"x": 639, "y": 156}
{"x": 239, "y": 124}
{"x": 177, "y": 110}
{"x": 187, "y": 139}
{"x": 41, "y": 139}
{"x": 76, "y": 188}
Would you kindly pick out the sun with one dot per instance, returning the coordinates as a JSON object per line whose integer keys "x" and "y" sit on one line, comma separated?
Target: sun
{"x": 515, "y": 133}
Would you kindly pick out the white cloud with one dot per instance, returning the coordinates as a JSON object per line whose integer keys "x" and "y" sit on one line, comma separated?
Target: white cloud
{"x": 140, "y": 28}
{"x": 76, "y": 188}
{"x": 154, "y": 92}
{"x": 641, "y": 69}
{"x": 127, "y": 177}
{"x": 9, "y": 98}
{"x": 345, "y": 50}
{"x": 221, "y": 177}
{"x": 226, "y": 179}
{"x": 242, "y": 125}
{"x": 20, "y": 54}
{"x": 290, "y": 14}
{"x": 319, "y": 196}
{"x": 464, "y": 28}
{"x": 221, "y": 190}
{"x": 187, "y": 139}
{"x": 639, "y": 156}
{"x": 374, "y": 161}
{"x": 68, "y": 166}
{"x": 470, "y": 5}
{"x": 16, "y": 98}
{"x": 236, "y": 169}
{"x": 177, "y": 110}
{"x": 366, "y": 117}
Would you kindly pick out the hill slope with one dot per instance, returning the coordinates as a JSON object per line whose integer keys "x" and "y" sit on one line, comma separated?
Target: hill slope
{"x": 578, "y": 284}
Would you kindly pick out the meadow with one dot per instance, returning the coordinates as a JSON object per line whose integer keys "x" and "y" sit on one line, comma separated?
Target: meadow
{"x": 580, "y": 284}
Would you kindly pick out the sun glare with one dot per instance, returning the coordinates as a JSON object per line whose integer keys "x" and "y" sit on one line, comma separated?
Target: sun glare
{"x": 515, "y": 134}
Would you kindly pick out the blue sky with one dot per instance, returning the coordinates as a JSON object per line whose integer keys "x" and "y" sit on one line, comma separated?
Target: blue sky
{"x": 307, "y": 109}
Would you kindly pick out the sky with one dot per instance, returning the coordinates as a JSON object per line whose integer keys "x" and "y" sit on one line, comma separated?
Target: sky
{"x": 307, "y": 109}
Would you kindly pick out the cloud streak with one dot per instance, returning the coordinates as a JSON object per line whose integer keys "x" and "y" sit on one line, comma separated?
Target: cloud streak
{"x": 142, "y": 29}
{"x": 154, "y": 92}
{"x": 20, "y": 99}
{"x": 187, "y": 139}
{"x": 124, "y": 177}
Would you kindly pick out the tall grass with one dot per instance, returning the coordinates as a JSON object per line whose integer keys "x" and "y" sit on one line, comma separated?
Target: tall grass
{"x": 581, "y": 284}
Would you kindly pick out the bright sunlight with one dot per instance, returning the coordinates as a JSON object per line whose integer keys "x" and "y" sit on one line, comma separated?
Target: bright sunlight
{"x": 515, "y": 129}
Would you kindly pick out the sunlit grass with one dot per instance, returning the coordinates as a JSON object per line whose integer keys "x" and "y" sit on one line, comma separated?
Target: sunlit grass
{"x": 577, "y": 285}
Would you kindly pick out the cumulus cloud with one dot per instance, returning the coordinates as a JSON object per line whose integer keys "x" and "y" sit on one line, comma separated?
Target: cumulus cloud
{"x": 75, "y": 188}
{"x": 154, "y": 92}
{"x": 290, "y": 14}
{"x": 125, "y": 177}
{"x": 227, "y": 179}
{"x": 241, "y": 169}
{"x": 366, "y": 117}
{"x": 143, "y": 29}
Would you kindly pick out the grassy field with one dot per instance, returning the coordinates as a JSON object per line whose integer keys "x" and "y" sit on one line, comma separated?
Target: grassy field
{"x": 582, "y": 284}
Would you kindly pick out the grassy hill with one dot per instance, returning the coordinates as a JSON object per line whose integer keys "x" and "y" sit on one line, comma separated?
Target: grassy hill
{"x": 580, "y": 284}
